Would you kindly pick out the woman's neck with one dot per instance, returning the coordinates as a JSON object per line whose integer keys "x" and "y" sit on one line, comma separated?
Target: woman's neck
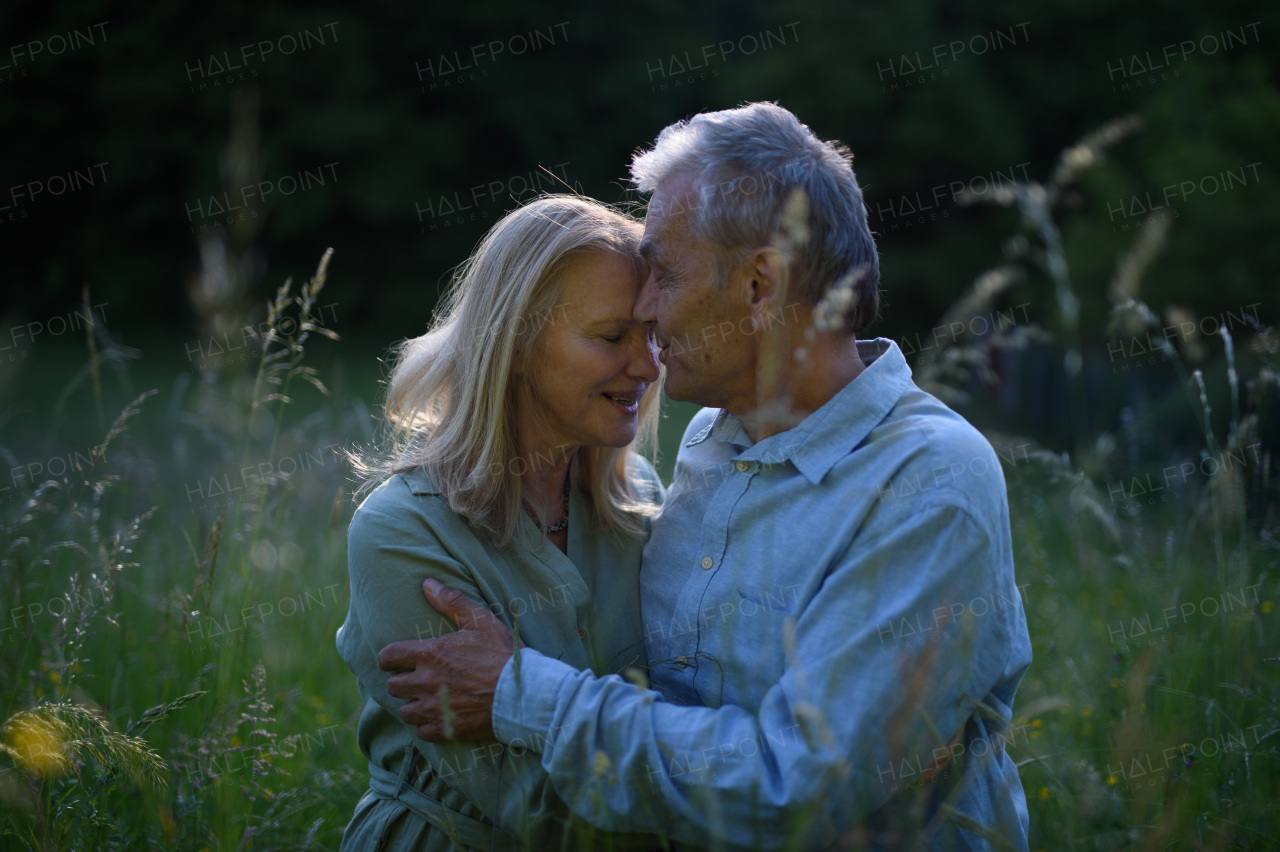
{"x": 542, "y": 482}
{"x": 544, "y": 491}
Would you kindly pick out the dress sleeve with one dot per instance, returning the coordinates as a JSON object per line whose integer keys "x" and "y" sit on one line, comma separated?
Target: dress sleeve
{"x": 391, "y": 549}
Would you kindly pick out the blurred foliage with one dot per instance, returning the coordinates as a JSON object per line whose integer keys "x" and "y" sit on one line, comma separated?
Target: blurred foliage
{"x": 601, "y": 82}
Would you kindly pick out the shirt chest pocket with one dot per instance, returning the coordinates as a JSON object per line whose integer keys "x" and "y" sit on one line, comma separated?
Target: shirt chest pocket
{"x": 765, "y": 616}
{"x": 752, "y": 612}
{"x": 772, "y": 600}
{"x": 758, "y": 618}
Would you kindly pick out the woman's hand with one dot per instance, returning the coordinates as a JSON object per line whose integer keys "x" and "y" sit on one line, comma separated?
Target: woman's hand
{"x": 450, "y": 680}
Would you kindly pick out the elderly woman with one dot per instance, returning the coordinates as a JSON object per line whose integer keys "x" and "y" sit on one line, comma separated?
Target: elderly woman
{"x": 511, "y": 477}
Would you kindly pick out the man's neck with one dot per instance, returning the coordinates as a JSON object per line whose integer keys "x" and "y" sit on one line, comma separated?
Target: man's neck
{"x": 801, "y": 379}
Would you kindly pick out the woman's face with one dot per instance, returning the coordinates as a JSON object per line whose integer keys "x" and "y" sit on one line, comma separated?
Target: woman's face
{"x": 594, "y": 361}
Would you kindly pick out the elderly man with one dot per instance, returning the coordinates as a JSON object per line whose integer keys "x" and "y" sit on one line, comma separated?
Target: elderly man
{"x": 833, "y": 628}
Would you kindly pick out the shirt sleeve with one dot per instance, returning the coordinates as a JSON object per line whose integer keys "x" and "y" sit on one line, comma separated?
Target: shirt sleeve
{"x": 855, "y": 701}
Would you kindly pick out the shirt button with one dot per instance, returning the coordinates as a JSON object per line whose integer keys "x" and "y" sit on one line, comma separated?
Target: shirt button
{"x": 707, "y": 562}
{"x": 741, "y": 466}
{"x": 582, "y": 634}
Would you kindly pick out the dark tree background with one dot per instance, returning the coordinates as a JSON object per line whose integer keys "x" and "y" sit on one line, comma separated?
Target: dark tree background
{"x": 361, "y": 128}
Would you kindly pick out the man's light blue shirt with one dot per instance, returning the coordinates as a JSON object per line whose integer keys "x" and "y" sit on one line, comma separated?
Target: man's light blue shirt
{"x": 834, "y": 634}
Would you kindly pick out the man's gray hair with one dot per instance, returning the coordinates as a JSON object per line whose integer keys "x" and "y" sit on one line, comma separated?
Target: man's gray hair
{"x": 747, "y": 162}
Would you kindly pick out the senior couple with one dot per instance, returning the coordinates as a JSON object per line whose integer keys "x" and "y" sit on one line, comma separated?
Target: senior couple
{"x": 771, "y": 653}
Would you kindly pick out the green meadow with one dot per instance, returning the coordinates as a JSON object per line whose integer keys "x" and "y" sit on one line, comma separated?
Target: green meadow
{"x": 173, "y": 567}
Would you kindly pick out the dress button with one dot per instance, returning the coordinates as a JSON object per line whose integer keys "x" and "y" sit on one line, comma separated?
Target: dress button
{"x": 707, "y": 562}
{"x": 582, "y": 634}
{"x": 741, "y": 466}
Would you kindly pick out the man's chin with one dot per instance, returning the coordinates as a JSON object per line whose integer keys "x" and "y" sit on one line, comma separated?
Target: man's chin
{"x": 675, "y": 388}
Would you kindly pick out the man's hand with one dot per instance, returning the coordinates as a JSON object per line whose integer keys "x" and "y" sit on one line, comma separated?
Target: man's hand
{"x": 450, "y": 680}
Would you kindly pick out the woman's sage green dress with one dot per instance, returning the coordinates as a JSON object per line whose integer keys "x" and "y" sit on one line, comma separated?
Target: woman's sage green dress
{"x": 583, "y": 608}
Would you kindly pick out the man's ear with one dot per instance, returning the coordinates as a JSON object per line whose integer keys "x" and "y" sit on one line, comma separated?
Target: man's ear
{"x": 763, "y": 278}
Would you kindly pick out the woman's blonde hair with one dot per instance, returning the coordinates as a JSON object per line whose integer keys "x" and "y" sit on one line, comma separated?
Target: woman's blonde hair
{"x": 450, "y": 400}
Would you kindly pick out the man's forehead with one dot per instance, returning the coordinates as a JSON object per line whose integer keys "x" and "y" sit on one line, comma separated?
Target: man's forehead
{"x": 656, "y": 227}
{"x": 673, "y": 197}
{"x": 655, "y": 246}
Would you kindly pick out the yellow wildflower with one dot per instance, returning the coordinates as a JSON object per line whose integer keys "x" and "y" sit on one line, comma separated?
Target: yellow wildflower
{"x": 35, "y": 744}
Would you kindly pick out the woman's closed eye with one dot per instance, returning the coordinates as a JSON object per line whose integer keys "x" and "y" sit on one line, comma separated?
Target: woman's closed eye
{"x": 615, "y": 334}
{"x": 618, "y": 336}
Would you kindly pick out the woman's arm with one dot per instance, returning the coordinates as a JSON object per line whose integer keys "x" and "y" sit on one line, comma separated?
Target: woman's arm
{"x": 392, "y": 548}
{"x": 394, "y": 544}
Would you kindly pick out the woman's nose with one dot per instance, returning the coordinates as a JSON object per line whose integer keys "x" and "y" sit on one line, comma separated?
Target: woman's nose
{"x": 644, "y": 359}
{"x": 645, "y": 310}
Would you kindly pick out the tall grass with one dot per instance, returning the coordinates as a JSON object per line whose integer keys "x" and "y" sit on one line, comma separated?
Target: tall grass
{"x": 1152, "y": 701}
{"x": 168, "y": 606}
{"x": 169, "y": 576}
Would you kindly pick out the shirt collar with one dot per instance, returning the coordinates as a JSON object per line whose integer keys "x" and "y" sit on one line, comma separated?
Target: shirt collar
{"x": 830, "y": 433}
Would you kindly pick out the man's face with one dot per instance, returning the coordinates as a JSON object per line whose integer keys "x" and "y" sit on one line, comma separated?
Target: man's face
{"x": 704, "y": 333}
